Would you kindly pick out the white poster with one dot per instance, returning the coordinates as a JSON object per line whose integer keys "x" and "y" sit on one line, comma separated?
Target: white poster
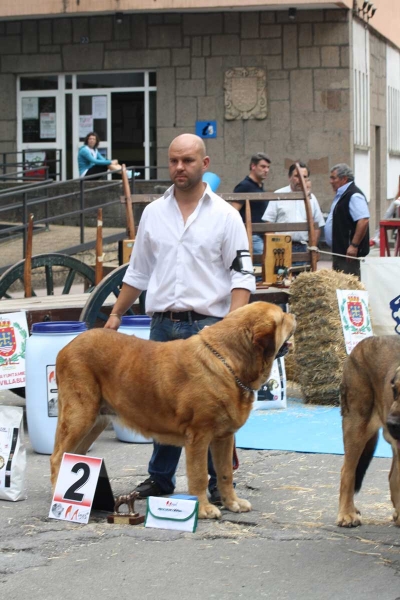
{"x": 85, "y": 125}
{"x": 99, "y": 107}
{"x": 13, "y": 335}
{"x": 381, "y": 277}
{"x": 354, "y": 314}
{"x": 47, "y": 125}
{"x": 30, "y": 108}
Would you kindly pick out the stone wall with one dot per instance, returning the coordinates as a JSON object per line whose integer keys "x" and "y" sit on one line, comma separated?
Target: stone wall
{"x": 378, "y": 130}
{"x": 307, "y": 64}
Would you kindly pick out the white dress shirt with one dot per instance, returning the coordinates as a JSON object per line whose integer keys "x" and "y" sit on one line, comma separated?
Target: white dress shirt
{"x": 293, "y": 211}
{"x": 186, "y": 266}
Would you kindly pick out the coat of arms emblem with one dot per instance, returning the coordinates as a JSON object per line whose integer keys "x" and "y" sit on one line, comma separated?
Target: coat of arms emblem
{"x": 8, "y": 343}
{"x": 245, "y": 93}
{"x": 355, "y": 310}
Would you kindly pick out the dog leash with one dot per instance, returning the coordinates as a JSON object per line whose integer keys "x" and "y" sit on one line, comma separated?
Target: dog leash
{"x": 221, "y": 358}
{"x": 316, "y": 249}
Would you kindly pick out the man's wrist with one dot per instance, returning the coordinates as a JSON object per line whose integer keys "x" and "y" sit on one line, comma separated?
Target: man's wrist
{"x": 116, "y": 315}
{"x": 354, "y": 245}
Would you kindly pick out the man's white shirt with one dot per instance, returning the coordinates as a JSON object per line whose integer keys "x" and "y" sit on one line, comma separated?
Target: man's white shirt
{"x": 293, "y": 211}
{"x": 186, "y": 266}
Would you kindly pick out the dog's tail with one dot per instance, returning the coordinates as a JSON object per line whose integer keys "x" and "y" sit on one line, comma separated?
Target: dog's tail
{"x": 365, "y": 460}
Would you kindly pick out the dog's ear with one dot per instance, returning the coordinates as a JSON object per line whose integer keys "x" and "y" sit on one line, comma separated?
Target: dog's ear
{"x": 264, "y": 337}
{"x": 396, "y": 384}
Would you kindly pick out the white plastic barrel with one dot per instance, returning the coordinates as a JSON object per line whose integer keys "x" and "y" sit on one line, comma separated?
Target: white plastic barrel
{"x": 273, "y": 392}
{"x": 41, "y": 392}
{"x": 138, "y": 325}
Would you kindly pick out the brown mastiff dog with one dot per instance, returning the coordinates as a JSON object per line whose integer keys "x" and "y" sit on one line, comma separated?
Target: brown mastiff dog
{"x": 194, "y": 393}
{"x": 370, "y": 399}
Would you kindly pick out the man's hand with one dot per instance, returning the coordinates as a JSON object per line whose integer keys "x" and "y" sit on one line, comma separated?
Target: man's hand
{"x": 351, "y": 251}
{"x": 113, "y": 323}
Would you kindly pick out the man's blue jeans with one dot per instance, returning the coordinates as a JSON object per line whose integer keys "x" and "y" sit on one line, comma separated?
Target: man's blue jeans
{"x": 164, "y": 460}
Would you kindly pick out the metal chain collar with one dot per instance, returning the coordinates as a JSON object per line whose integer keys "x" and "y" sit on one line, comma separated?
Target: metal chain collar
{"x": 221, "y": 358}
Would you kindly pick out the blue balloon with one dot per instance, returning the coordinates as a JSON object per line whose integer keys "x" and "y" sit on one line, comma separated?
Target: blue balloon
{"x": 212, "y": 179}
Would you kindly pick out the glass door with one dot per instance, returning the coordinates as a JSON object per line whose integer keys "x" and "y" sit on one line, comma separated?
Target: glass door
{"x": 128, "y": 129}
{"x": 40, "y": 111}
{"x": 93, "y": 113}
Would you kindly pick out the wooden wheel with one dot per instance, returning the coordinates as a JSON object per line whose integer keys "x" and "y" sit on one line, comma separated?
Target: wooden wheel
{"x": 93, "y": 312}
{"x": 50, "y": 263}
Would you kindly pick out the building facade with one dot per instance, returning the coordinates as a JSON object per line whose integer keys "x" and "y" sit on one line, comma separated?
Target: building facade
{"x": 320, "y": 83}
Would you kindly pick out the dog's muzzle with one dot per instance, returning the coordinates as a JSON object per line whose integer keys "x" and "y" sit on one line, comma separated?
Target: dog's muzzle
{"x": 393, "y": 425}
{"x": 283, "y": 350}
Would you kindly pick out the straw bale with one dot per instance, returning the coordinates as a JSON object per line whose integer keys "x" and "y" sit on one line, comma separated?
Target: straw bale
{"x": 319, "y": 344}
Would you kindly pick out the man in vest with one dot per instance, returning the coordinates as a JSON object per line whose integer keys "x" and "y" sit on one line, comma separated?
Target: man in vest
{"x": 346, "y": 228}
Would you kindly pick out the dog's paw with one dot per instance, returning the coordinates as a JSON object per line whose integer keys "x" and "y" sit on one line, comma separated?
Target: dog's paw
{"x": 238, "y": 505}
{"x": 396, "y": 518}
{"x": 209, "y": 511}
{"x": 349, "y": 520}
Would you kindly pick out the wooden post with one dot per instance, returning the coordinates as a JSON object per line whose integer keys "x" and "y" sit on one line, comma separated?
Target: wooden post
{"x": 98, "y": 276}
{"x": 28, "y": 259}
{"x": 310, "y": 220}
{"x": 247, "y": 219}
{"x": 130, "y": 222}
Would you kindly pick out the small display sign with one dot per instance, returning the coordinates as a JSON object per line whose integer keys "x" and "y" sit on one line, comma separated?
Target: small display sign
{"x": 82, "y": 484}
{"x": 206, "y": 129}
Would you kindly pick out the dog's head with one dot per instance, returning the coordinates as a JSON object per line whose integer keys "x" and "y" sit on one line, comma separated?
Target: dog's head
{"x": 393, "y": 420}
{"x": 268, "y": 327}
{"x": 271, "y": 328}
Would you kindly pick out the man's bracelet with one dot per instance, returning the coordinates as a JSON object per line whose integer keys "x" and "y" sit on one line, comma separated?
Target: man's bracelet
{"x": 354, "y": 245}
{"x": 116, "y": 315}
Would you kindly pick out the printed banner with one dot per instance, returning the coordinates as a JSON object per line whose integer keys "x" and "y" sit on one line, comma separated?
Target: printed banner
{"x": 13, "y": 335}
{"x": 354, "y": 314}
{"x": 381, "y": 277}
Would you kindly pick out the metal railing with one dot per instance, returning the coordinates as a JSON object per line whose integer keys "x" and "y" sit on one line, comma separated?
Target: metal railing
{"x": 27, "y": 169}
{"x": 46, "y": 193}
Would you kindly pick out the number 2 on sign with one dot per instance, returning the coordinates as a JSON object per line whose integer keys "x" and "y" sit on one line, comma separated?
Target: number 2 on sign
{"x": 71, "y": 494}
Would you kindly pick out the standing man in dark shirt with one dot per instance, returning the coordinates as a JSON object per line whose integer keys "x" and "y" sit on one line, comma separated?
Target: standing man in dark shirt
{"x": 346, "y": 228}
{"x": 253, "y": 183}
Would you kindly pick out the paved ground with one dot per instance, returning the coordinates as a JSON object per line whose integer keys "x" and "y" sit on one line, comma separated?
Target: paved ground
{"x": 288, "y": 547}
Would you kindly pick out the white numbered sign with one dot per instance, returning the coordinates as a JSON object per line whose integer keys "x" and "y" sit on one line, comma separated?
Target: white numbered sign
{"x": 75, "y": 488}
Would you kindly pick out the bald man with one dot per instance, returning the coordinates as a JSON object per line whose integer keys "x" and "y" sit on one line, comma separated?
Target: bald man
{"x": 184, "y": 250}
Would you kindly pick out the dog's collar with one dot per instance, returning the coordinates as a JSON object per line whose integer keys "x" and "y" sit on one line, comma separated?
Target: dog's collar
{"x": 221, "y": 358}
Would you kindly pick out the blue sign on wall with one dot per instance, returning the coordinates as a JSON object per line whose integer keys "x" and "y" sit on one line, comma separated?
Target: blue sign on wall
{"x": 206, "y": 129}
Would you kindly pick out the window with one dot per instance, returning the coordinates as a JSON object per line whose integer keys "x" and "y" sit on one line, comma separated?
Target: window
{"x": 31, "y": 84}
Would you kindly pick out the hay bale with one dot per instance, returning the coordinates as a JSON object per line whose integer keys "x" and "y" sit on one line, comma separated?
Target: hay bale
{"x": 319, "y": 344}
{"x": 291, "y": 366}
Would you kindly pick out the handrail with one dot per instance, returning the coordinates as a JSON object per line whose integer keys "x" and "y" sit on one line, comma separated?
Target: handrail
{"x": 25, "y": 204}
{"x": 29, "y": 165}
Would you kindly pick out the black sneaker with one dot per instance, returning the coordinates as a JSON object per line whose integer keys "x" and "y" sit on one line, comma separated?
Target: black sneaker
{"x": 147, "y": 488}
{"x": 215, "y": 496}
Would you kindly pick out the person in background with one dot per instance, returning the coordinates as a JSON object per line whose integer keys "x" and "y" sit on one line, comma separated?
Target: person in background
{"x": 347, "y": 225}
{"x": 185, "y": 248}
{"x": 294, "y": 211}
{"x": 91, "y": 161}
{"x": 254, "y": 183}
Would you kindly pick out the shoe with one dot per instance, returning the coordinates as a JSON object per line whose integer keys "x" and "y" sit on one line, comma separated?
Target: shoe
{"x": 147, "y": 488}
{"x": 215, "y": 497}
